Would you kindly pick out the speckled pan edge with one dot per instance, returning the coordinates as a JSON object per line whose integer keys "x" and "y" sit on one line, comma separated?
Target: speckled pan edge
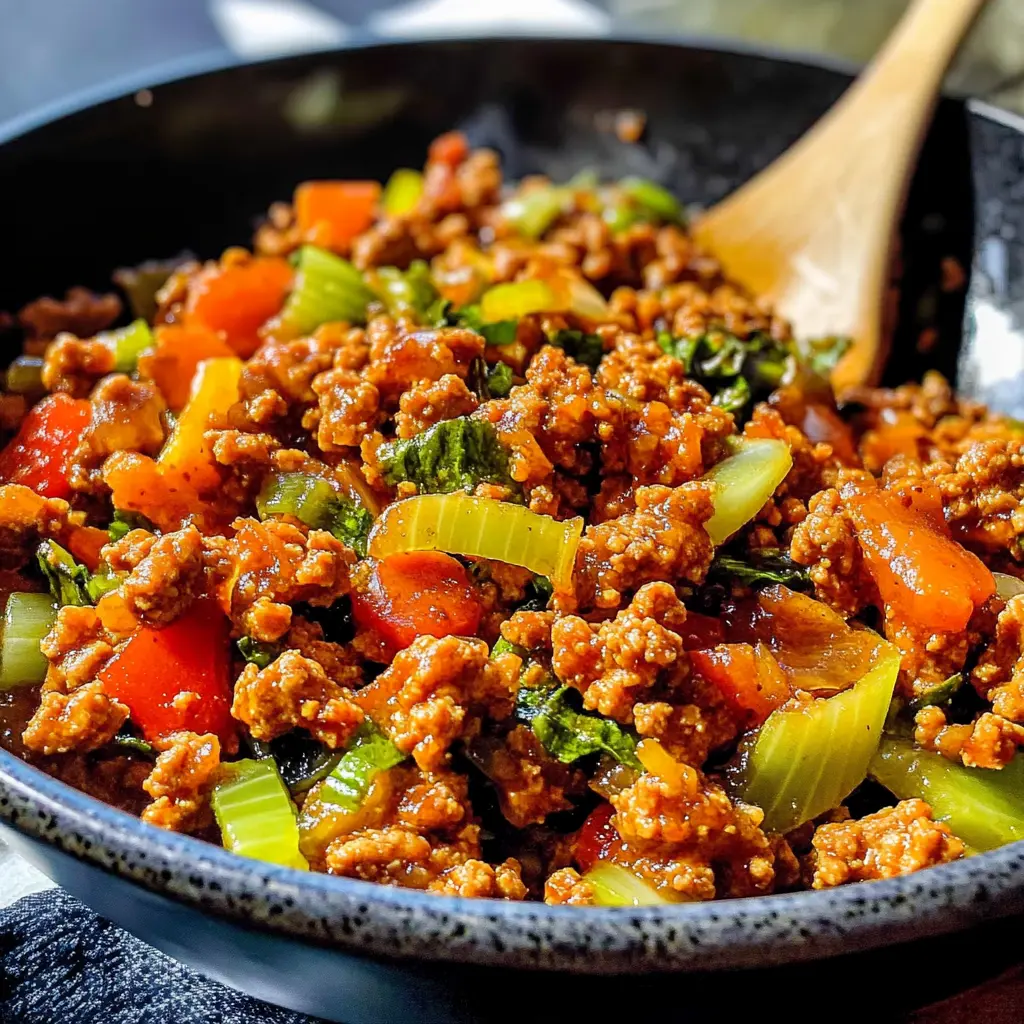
{"x": 367, "y": 918}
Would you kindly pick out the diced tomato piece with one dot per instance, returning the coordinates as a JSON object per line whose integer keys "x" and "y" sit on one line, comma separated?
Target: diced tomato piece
{"x": 925, "y": 579}
{"x": 749, "y": 679}
{"x": 40, "y": 454}
{"x": 701, "y": 632}
{"x": 177, "y": 678}
{"x": 596, "y": 838}
{"x": 331, "y": 213}
{"x": 419, "y": 593}
{"x": 236, "y": 300}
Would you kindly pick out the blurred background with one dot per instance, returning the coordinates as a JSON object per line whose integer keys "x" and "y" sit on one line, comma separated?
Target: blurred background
{"x": 51, "y": 48}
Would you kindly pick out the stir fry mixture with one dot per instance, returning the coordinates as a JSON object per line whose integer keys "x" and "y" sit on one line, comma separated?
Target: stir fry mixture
{"x": 489, "y": 542}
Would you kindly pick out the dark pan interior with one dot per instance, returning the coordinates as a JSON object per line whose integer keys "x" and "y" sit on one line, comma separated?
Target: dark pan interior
{"x": 191, "y": 169}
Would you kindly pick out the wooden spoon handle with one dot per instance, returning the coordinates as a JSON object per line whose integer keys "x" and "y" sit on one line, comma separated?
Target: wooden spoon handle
{"x": 813, "y": 232}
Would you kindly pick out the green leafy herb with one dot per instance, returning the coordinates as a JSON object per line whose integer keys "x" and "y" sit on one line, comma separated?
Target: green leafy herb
{"x": 761, "y": 568}
{"x": 504, "y": 332}
{"x": 940, "y": 693}
{"x": 822, "y": 354}
{"x": 127, "y": 740}
{"x": 584, "y": 348}
{"x": 301, "y": 760}
{"x": 313, "y": 501}
{"x": 503, "y": 646}
{"x": 568, "y": 734}
{"x": 70, "y": 582}
{"x": 737, "y": 371}
{"x": 349, "y": 782}
{"x": 499, "y": 380}
{"x": 124, "y": 522}
{"x": 453, "y": 455}
{"x": 257, "y": 652}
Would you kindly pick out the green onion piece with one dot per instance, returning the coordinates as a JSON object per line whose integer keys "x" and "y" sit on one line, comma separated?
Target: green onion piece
{"x": 504, "y": 332}
{"x": 515, "y": 300}
{"x": 619, "y": 217}
{"x": 327, "y": 289}
{"x": 27, "y": 620}
{"x": 124, "y": 522}
{"x": 402, "y": 192}
{"x": 256, "y": 815}
{"x": 462, "y": 524}
{"x": 532, "y": 213}
{"x": 807, "y": 759}
{"x": 1007, "y": 586}
{"x": 67, "y": 579}
{"x": 25, "y": 375}
{"x": 655, "y": 199}
{"x": 135, "y": 745}
{"x": 744, "y": 482}
{"x": 129, "y": 343}
{"x": 369, "y": 752}
{"x": 503, "y": 646}
{"x": 313, "y": 501}
{"x": 101, "y": 582}
{"x": 985, "y": 808}
{"x": 615, "y": 886}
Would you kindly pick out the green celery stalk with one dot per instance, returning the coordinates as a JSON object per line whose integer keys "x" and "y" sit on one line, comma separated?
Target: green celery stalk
{"x": 615, "y": 886}
{"x": 743, "y": 482}
{"x": 402, "y": 192}
{"x": 327, "y": 289}
{"x": 982, "y": 806}
{"x": 25, "y": 375}
{"x": 807, "y": 759}
{"x": 129, "y": 343}
{"x": 27, "y": 620}
{"x": 532, "y": 213}
{"x": 256, "y": 815}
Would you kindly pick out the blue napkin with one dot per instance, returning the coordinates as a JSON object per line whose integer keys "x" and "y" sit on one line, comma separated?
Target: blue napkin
{"x": 60, "y": 962}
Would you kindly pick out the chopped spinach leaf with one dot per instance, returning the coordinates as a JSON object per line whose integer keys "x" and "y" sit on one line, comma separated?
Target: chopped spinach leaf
{"x": 124, "y": 522}
{"x": 568, "y": 734}
{"x": 584, "y": 348}
{"x": 257, "y": 652}
{"x": 499, "y": 380}
{"x": 762, "y": 568}
{"x": 369, "y": 752}
{"x": 408, "y": 291}
{"x": 822, "y": 354}
{"x": 503, "y": 646}
{"x": 453, "y": 455}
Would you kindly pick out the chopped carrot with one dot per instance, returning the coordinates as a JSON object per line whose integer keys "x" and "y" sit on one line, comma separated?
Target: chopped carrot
{"x": 236, "y": 300}
{"x": 137, "y": 485}
{"x": 419, "y": 593}
{"x": 749, "y": 679}
{"x": 171, "y": 365}
{"x": 925, "y": 579}
{"x": 331, "y": 213}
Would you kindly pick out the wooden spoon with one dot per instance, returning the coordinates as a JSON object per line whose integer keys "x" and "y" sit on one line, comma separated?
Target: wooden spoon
{"x": 813, "y": 232}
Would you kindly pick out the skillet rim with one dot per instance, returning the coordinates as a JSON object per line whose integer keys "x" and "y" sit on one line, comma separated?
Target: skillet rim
{"x": 370, "y": 918}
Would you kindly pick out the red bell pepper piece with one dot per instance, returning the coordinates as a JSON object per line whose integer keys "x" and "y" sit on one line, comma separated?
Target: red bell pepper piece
{"x": 41, "y": 452}
{"x": 177, "y": 678}
{"x": 419, "y": 593}
{"x": 596, "y": 838}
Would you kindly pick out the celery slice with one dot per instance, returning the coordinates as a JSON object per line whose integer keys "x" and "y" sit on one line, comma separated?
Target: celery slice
{"x": 402, "y": 192}
{"x": 129, "y": 343}
{"x": 462, "y": 524}
{"x": 27, "y": 620}
{"x": 656, "y": 200}
{"x": 743, "y": 482}
{"x": 615, "y": 886}
{"x": 369, "y": 753}
{"x": 516, "y": 299}
{"x": 807, "y": 759}
{"x": 984, "y": 807}
{"x": 327, "y": 289}
{"x": 532, "y": 213}
{"x": 1007, "y": 586}
{"x": 256, "y": 815}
